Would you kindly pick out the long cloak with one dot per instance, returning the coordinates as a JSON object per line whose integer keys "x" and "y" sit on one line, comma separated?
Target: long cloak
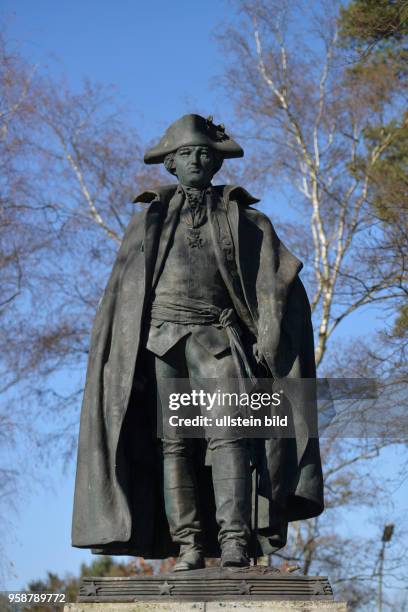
{"x": 118, "y": 505}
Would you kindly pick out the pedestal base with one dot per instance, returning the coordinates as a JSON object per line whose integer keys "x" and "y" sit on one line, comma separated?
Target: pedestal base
{"x": 211, "y": 590}
{"x": 211, "y": 606}
{"x": 210, "y": 584}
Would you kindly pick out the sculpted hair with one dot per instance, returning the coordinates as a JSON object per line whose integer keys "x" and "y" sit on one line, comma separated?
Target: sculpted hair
{"x": 171, "y": 166}
{"x": 169, "y": 163}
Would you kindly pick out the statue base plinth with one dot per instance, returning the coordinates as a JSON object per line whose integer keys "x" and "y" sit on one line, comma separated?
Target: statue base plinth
{"x": 210, "y": 606}
{"x": 250, "y": 588}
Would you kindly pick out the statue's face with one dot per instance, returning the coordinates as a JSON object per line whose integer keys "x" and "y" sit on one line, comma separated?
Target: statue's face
{"x": 195, "y": 165}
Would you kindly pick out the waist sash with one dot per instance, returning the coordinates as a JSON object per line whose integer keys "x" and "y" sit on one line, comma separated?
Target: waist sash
{"x": 198, "y": 312}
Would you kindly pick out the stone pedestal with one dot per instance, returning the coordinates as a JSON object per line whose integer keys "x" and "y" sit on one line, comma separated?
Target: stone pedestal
{"x": 211, "y": 606}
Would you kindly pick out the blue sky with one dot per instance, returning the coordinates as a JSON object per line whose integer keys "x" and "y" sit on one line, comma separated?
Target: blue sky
{"x": 160, "y": 56}
{"x": 162, "y": 59}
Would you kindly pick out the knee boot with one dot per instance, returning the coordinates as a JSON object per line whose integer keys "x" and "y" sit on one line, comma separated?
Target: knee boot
{"x": 232, "y": 490}
{"x": 181, "y": 511}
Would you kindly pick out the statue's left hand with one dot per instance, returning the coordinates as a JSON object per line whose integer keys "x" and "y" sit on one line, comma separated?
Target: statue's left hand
{"x": 259, "y": 358}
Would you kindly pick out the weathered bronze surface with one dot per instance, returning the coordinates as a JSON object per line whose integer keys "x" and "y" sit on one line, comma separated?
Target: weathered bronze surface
{"x": 243, "y": 584}
{"x": 202, "y": 289}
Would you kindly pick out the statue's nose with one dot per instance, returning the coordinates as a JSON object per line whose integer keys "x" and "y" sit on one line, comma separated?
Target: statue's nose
{"x": 195, "y": 157}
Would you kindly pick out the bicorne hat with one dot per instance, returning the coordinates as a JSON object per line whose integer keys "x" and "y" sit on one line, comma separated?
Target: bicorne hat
{"x": 193, "y": 130}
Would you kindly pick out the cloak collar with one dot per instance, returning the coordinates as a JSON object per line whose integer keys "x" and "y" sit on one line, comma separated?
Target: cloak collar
{"x": 229, "y": 193}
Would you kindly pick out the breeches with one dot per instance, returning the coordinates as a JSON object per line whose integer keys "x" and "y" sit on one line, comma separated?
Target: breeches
{"x": 190, "y": 361}
{"x": 228, "y": 455}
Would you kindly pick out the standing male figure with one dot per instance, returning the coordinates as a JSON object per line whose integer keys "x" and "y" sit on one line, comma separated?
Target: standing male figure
{"x": 201, "y": 285}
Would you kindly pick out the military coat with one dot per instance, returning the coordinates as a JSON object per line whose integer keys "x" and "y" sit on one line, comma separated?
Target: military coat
{"x": 118, "y": 505}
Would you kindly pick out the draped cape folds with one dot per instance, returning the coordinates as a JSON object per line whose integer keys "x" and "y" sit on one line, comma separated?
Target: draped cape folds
{"x": 118, "y": 505}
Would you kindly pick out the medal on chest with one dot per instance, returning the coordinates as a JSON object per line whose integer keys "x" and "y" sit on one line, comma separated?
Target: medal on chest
{"x": 195, "y": 218}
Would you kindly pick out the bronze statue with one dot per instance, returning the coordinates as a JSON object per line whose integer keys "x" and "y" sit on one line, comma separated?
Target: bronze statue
{"x": 202, "y": 288}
